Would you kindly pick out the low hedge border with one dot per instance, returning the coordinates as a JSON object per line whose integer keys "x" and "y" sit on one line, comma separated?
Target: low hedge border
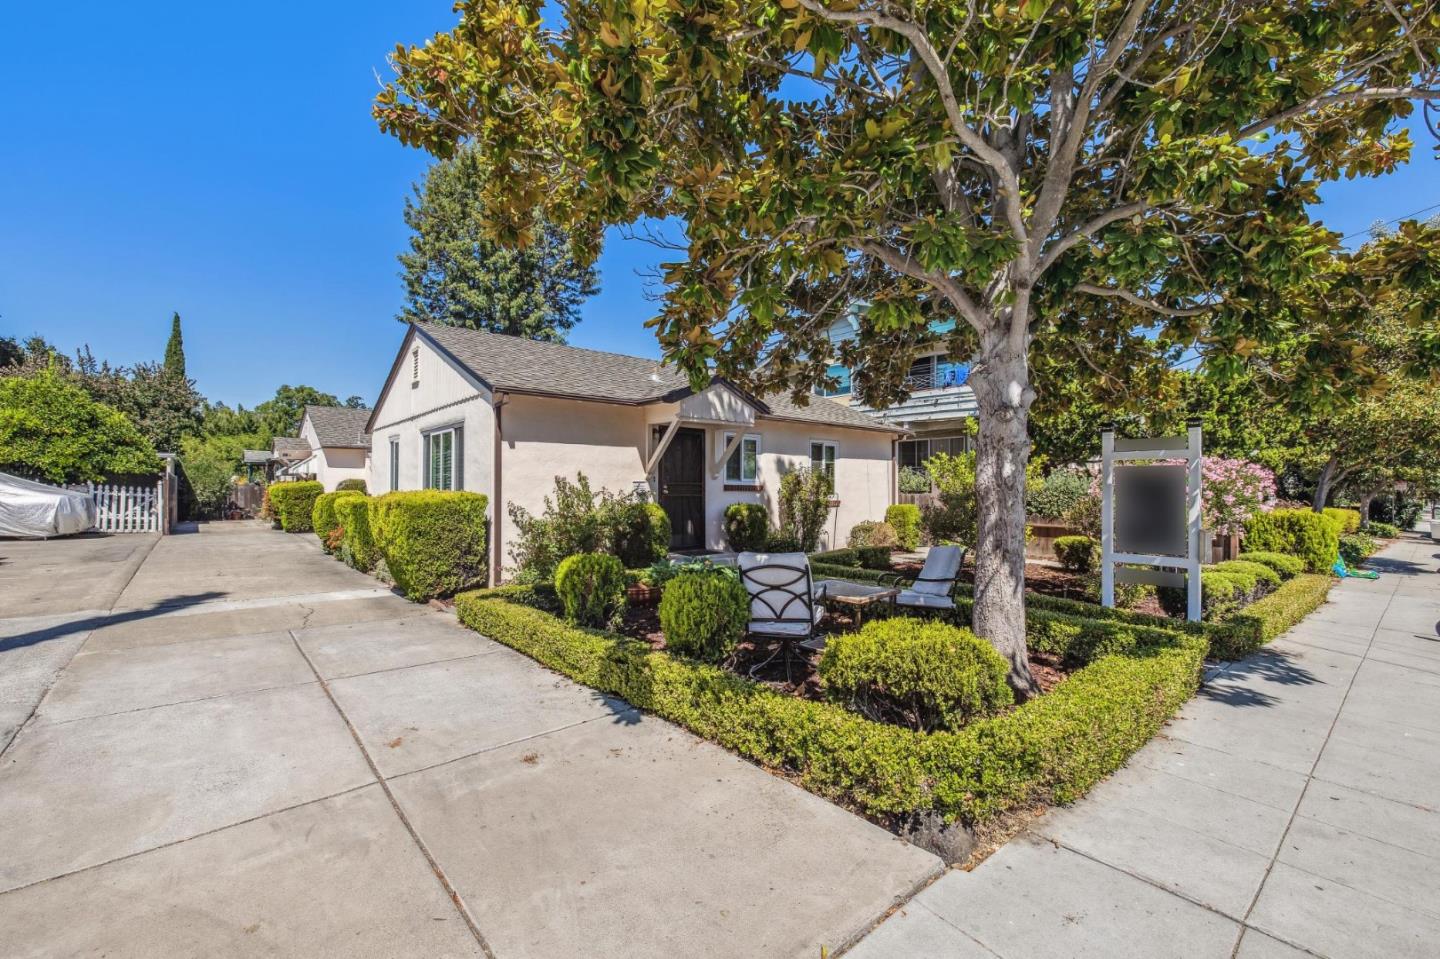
{"x": 1235, "y": 637}
{"x": 1052, "y": 749}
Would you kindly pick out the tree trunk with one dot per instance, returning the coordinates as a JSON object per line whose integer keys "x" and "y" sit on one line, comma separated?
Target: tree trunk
{"x": 1002, "y": 389}
{"x": 1322, "y": 484}
{"x": 1365, "y": 501}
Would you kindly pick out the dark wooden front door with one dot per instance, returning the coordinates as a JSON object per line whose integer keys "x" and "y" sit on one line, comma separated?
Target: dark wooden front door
{"x": 682, "y": 489}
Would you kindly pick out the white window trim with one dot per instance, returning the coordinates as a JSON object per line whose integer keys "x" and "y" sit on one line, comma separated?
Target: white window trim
{"x": 725, "y": 439}
{"x": 425, "y": 437}
{"x": 835, "y": 462}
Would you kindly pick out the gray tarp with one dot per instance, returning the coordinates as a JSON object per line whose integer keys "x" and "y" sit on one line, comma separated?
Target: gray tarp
{"x": 35, "y": 510}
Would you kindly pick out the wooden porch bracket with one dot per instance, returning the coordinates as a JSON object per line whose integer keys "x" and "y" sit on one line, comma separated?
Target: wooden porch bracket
{"x": 665, "y": 441}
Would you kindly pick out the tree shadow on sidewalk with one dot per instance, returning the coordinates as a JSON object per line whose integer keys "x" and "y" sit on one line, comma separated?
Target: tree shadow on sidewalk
{"x": 1240, "y": 684}
{"x": 61, "y": 630}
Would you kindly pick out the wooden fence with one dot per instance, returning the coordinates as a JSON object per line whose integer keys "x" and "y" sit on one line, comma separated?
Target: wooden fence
{"x": 129, "y": 509}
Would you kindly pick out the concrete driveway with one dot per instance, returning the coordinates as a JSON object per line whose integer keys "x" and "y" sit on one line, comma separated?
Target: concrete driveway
{"x": 226, "y": 743}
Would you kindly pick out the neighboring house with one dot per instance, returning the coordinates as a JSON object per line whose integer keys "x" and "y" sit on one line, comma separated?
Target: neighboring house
{"x": 940, "y": 403}
{"x": 287, "y": 453}
{"x": 339, "y": 444}
{"x": 504, "y": 416}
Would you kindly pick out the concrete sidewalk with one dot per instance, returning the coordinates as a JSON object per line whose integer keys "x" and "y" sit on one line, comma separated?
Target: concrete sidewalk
{"x": 1292, "y": 809}
{"x": 257, "y": 751}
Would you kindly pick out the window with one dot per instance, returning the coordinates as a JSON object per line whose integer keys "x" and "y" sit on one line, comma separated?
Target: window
{"x": 394, "y": 463}
{"x": 443, "y": 455}
{"x": 916, "y": 452}
{"x": 743, "y": 466}
{"x": 841, "y": 375}
{"x": 822, "y": 457}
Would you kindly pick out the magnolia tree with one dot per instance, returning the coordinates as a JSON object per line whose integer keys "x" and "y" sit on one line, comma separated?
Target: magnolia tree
{"x": 1101, "y": 178}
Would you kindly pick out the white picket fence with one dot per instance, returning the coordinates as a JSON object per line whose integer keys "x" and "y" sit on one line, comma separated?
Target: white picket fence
{"x": 129, "y": 509}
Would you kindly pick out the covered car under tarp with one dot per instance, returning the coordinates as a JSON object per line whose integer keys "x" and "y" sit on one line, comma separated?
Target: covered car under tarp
{"x": 36, "y": 510}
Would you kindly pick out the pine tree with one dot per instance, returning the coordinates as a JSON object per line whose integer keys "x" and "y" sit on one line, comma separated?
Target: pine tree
{"x": 454, "y": 274}
{"x": 175, "y": 349}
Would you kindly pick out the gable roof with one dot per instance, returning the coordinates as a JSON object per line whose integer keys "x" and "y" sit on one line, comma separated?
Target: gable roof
{"x": 339, "y": 426}
{"x": 289, "y": 448}
{"x": 515, "y": 365}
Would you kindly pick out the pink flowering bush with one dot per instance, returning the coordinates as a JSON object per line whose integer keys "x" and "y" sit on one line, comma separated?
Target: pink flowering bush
{"x": 1234, "y": 490}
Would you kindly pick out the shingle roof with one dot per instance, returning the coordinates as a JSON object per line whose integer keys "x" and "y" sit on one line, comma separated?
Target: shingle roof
{"x": 289, "y": 447}
{"x": 512, "y": 364}
{"x": 339, "y": 426}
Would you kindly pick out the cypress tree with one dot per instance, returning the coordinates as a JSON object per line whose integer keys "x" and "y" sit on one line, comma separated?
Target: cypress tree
{"x": 175, "y": 349}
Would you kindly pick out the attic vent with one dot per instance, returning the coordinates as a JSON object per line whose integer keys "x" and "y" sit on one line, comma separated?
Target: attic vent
{"x": 415, "y": 367}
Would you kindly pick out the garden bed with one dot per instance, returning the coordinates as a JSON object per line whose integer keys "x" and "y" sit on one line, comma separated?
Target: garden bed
{"x": 1128, "y": 680}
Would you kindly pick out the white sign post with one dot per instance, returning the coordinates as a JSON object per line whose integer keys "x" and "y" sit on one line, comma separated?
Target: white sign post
{"x": 1153, "y": 520}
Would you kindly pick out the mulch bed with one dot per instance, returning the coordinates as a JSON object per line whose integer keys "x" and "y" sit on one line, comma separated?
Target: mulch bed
{"x": 798, "y": 677}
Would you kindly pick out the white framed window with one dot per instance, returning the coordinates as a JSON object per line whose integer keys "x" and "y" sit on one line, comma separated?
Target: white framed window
{"x": 743, "y": 466}
{"x": 444, "y": 453}
{"x": 822, "y": 458}
{"x": 394, "y": 463}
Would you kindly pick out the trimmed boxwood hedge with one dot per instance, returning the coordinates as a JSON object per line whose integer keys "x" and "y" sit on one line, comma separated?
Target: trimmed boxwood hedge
{"x": 1313, "y": 537}
{"x": 1284, "y": 565}
{"x": 433, "y": 541}
{"x": 1233, "y": 637}
{"x": 905, "y": 517}
{"x": 358, "y": 548}
{"x": 294, "y": 503}
{"x": 323, "y": 516}
{"x": 1053, "y": 748}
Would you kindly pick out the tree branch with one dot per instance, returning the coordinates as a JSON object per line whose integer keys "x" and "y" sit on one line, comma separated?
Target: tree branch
{"x": 906, "y": 264}
{"x": 1141, "y": 302}
{"x": 1335, "y": 99}
{"x": 1083, "y": 232}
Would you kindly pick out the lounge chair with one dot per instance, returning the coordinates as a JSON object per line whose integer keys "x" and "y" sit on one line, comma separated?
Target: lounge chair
{"x": 933, "y": 586}
{"x": 783, "y": 600}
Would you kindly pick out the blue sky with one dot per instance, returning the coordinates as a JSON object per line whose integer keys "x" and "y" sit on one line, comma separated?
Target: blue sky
{"x": 220, "y": 160}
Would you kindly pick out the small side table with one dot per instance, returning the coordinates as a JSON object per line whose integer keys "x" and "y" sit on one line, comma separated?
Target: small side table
{"x": 856, "y": 597}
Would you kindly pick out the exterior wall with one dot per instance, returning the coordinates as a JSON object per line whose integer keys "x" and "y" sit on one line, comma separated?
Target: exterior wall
{"x": 864, "y": 475}
{"x": 542, "y": 438}
{"x": 444, "y": 396}
{"x": 332, "y": 464}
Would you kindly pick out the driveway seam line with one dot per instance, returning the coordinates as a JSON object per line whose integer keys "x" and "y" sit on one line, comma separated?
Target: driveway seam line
{"x": 491, "y": 749}
{"x": 1310, "y": 776}
{"x": 184, "y": 839}
{"x": 396, "y": 669}
{"x": 30, "y": 717}
{"x": 179, "y": 702}
{"x": 436, "y": 870}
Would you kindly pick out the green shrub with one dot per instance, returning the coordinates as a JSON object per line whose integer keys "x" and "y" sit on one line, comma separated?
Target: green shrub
{"x": 1266, "y": 579}
{"x": 295, "y": 504}
{"x": 704, "y": 613}
{"x": 913, "y": 479}
{"x": 1349, "y": 519}
{"x": 1078, "y": 554}
{"x": 837, "y": 557}
{"x": 805, "y": 495}
{"x": 639, "y": 531}
{"x": 591, "y": 587}
{"x": 747, "y": 526}
{"x": 358, "y": 547}
{"x": 1314, "y": 537}
{"x": 874, "y": 557}
{"x": 1382, "y": 530}
{"x": 1257, "y": 624}
{"x": 1286, "y": 567}
{"x": 1058, "y": 493}
{"x": 1356, "y": 548}
{"x": 921, "y": 674}
{"x": 323, "y": 518}
{"x": 1080, "y": 639}
{"x": 780, "y": 542}
{"x": 870, "y": 533}
{"x": 52, "y": 429}
{"x": 347, "y": 485}
{"x": 905, "y": 518}
{"x": 433, "y": 541}
{"x": 1051, "y": 749}
{"x": 1221, "y": 593}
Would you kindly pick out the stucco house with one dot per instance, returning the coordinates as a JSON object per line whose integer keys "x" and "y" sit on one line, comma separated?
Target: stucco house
{"x": 339, "y": 445}
{"x": 504, "y": 416}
